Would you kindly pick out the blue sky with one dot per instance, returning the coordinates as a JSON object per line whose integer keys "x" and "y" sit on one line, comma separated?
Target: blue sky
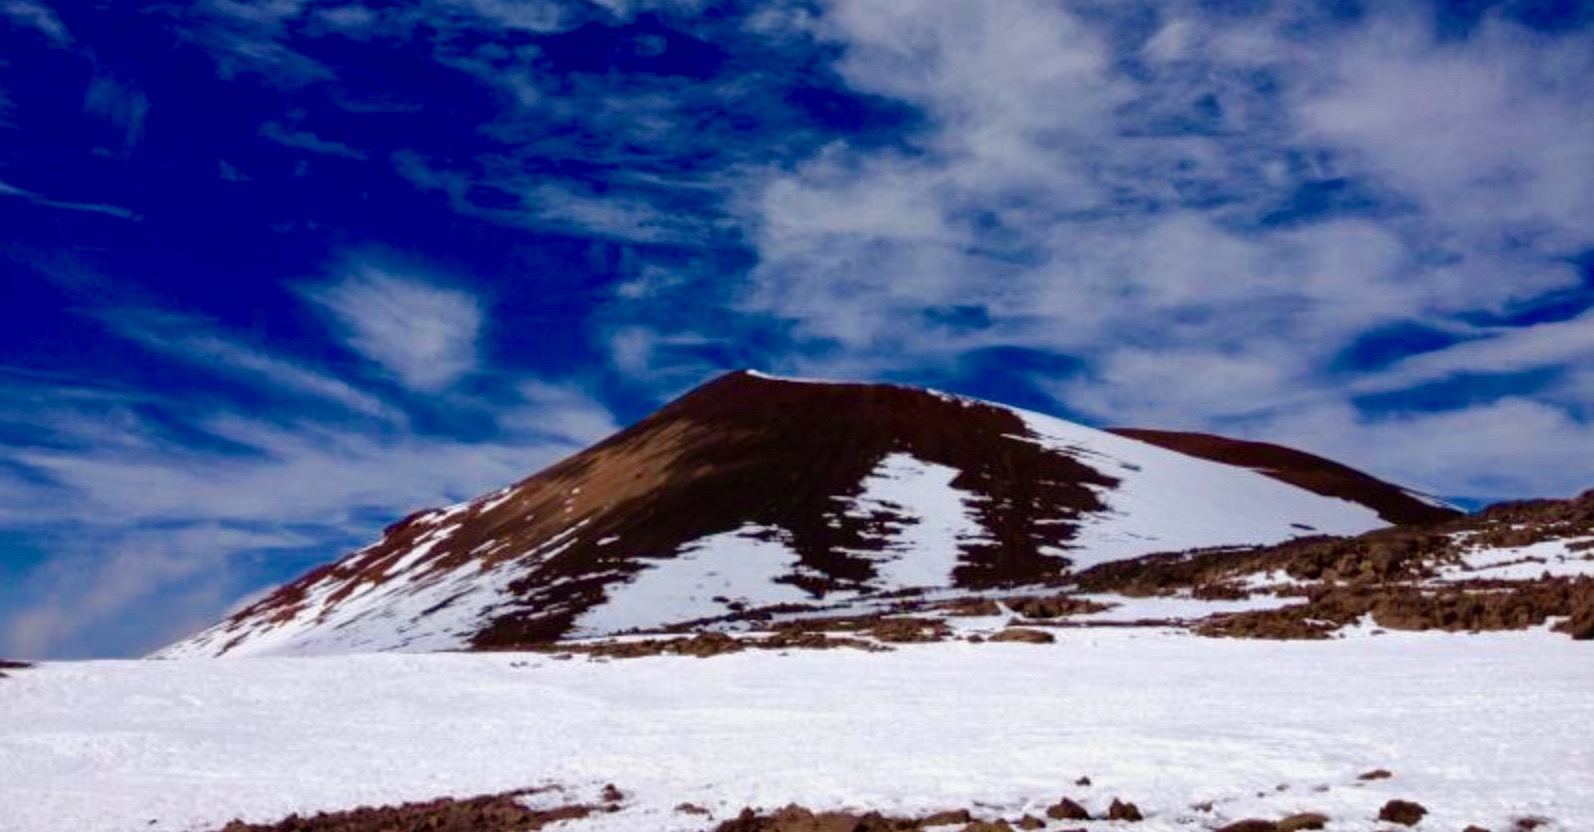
{"x": 278, "y": 272}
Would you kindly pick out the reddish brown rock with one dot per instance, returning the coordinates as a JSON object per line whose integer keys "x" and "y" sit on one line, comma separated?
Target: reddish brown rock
{"x": 988, "y": 826}
{"x": 1250, "y": 825}
{"x": 1024, "y": 635}
{"x": 1403, "y": 812}
{"x": 1302, "y": 821}
{"x": 1066, "y": 809}
{"x": 496, "y": 813}
{"x": 1125, "y": 811}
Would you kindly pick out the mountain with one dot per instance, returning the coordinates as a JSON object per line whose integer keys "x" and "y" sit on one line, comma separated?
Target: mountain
{"x": 754, "y": 494}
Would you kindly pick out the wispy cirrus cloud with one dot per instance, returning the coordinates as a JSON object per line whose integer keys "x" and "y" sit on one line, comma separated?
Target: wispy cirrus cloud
{"x": 175, "y": 506}
{"x": 425, "y": 334}
{"x": 1204, "y": 210}
{"x": 251, "y": 38}
{"x": 38, "y": 16}
{"x": 306, "y": 140}
{"x": 7, "y": 189}
{"x": 202, "y": 344}
{"x": 121, "y": 106}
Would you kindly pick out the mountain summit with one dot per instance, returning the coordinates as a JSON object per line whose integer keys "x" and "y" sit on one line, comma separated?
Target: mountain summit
{"x": 755, "y": 493}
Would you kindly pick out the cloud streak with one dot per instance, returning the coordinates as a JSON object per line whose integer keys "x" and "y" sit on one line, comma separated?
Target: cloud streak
{"x": 7, "y": 189}
{"x": 424, "y": 334}
{"x": 305, "y": 140}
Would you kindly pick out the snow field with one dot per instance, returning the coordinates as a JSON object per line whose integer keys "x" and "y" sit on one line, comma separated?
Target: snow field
{"x": 1479, "y": 728}
{"x": 938, "y": 520}
{"x": 738, "y": 567}
{"x": 1167, "y": 501}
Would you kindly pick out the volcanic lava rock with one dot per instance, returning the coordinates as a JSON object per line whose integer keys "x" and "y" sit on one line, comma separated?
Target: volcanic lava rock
{"x": 1403, "y": 812}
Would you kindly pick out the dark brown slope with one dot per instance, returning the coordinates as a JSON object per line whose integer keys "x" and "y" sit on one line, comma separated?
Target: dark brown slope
{"x": 1298, "y": 468}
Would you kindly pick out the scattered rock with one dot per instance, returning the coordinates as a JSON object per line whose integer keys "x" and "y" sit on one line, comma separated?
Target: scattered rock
{"x": 1057, "y": 606}
{"x": 495, "y": 813}
{"x": 1121, "y": 810}
{"x": 988, "y": 826}
{"x": 1250, "y": 825}
{"x": 1083, "y": 781}
{"x": 1302, "y": 821}
{"x": 1375, "y": 774}
{"x": 797, "y": 819}
{"x": 612, "y": 794}
{"x": 1474, "y": 828}
{"x": 1580, "y": 625}
{"x": 1403, "y": 812}
{"x": 947, "y": 818}
{"x": 691, "y": 809}
{"x": 1024, "y": 635}
{"x": 971, "y": 607}
{"x": 1031, "y": 822}
{"x": 1066, "y": 809}
{"x": 910, "y": 630}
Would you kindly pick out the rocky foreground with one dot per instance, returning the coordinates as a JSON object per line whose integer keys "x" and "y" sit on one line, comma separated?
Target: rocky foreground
{"x": 522, "y": 811}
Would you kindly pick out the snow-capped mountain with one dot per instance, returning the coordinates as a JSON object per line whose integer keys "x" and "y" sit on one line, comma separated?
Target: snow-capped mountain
{"x": 754, "y": 494}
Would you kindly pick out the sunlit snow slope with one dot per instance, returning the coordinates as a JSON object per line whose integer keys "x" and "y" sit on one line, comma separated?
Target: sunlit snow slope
{"x": 753, "y": 492}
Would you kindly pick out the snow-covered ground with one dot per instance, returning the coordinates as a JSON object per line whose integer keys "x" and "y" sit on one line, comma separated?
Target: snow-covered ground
{"x": 1481, "y": 729}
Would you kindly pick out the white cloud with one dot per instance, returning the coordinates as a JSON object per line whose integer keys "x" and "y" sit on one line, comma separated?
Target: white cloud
{"x": 1502, "y": 350}
{"x": 175, "y": 529}
{"x": 528, "y": 15}
{"x": 249, "y": 37}
{"x": 1503, "y": 450}
{"x": 196, "y": 342}
{"x": 352, "y": 19}
{"x": 78, "y": 604}
{"x": 1103, "y": 196}
{"x": 121, "y": 105}
{"x": 7, "y": 189}
{"x": 305, "y": 140}
{"x": 424, "y": 334}
{"x": 1488, "y": 133}
{"x": 36, "y": 15}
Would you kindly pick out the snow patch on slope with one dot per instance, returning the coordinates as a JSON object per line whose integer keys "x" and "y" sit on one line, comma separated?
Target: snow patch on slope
{"x": 439, "y": 612}
{"x": 704, "y": 580}
{"x": 928, "y": 521}
{"x": 1167, "y": 501}
{"x": 1554, "y": 558}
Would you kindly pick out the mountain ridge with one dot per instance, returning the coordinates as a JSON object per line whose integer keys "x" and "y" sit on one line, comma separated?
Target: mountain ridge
{"x": 753, "y": 491}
